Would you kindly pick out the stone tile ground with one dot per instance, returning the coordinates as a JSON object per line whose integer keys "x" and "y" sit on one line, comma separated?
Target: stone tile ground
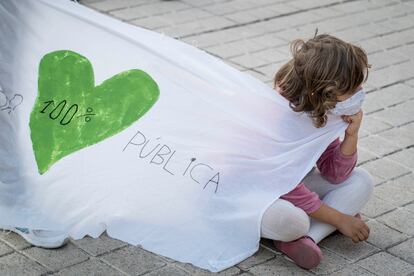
{"x": 253, "y": 36}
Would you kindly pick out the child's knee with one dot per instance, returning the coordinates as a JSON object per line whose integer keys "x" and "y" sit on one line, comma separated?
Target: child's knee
{"x": 284, "y": 221}
{"x": 299, "y": 223}
{"x": 364, "y": 180}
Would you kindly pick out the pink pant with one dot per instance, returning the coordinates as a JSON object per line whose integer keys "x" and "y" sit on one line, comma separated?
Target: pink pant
{"x": 286, "y": 222}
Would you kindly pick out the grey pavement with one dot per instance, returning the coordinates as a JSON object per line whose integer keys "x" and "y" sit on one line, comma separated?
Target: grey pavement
{"x": 253, "y": 36}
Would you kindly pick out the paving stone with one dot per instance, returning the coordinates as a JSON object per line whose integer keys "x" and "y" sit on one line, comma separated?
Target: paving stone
{"x": 410, "y": 207}
{"x": 383, "y": 236}
{"x": 271, "y": 55}
{"x": 408, "y": 50}
{"x": 279, "y": 265}
{"x": 405, "y": 183}
{"x": 260, "y": 256}
{"x": 386, "y": 58}
{"x": 388, "y": 96}
{"x": 330, "y": 263}
{"x": 356, "y": 34}
{"x": 404, "y": 250}
{"x": 396, "y": 115}
{"x": 303, "y": 31}
{"x": 257, "y": 75}
{"x": 270, "y": 69}
{"x": 377, "y": 145}
{"x": 383, "y": 263}
{"x": 133, "y": 260}
{"x": 5, "y": 249}
{"x": 400, "y": 219}
{"x": 363, "y": 133}
{"x": 14, "y": 240}
{"x": 202, "y": 25}
{"x": 399, "y": 23}
{"x": 345, "y": 247}
{"x": 370, "y": 45}
{"x": 404, "y": 157}
{"x": 352, "y": 270}
{"x": 216, "y": 38}
{"x": 114, "y": 5}
{"x": 269, "y": 41}
{"x": 376, "y": 206}
{"x": 149, "y": 10}
{"x": 402, "y": 136}
{"x": 395, "y": 194}
{"x": 57, "y": 258}
{"x": 184, "y": 16}
{"x": 385, "y": 168}
{"x": 152, "y": 23}
{"x": 393, "y": 39}
{"x": 90, "y": 267}
{"x": 193, "y": 270}
{"x": 365, "y": 155}
{"x": 410, "y": 82}
{"x": 392, "y": 74}
{"x": 373, "y": 125}
{"x": 250, "y": 61}
{"x": 235, "y": 48}
{"x": 168, "y": 270}
{"x": 15, "y": 265}
{"x": 98, "y": 246}
{"x": 326, "y": 13}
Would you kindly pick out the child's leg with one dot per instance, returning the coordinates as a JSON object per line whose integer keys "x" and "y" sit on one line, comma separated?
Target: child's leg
{"x": 347, "y": 197}
{"x": 284, "y": 221}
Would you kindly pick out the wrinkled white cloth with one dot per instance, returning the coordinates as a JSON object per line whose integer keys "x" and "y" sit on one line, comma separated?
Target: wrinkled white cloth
{"x": 231, "y": 144}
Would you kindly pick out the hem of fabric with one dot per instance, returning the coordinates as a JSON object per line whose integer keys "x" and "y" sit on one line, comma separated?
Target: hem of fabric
{"x": 223, "y": 265}
{"x": 259, "y": 222}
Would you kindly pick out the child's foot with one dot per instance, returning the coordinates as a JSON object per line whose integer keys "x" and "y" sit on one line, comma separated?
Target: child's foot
{"x": 358, "y": 215}
{"x": 303, "y": 251}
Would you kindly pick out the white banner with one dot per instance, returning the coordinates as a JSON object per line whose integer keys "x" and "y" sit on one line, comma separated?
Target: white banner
{"x": 108, "y": 126}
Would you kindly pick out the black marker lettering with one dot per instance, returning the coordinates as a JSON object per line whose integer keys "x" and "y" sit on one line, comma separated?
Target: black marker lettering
{"x": 218, "y": 178}
{"x": 199, "y": 164}
{"x": 133, "y": 137}
{"x": 167, "y": 163}
{"x": 150, "y": 151}
{"x": 192, "y": 160}
{"x": 159, "y": 155}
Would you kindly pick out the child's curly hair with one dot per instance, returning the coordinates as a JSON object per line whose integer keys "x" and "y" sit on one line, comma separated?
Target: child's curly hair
{"x": 321, "y": 69}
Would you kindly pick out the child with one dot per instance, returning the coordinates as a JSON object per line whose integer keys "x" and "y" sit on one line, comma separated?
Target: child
{"x": 324, "y": 76}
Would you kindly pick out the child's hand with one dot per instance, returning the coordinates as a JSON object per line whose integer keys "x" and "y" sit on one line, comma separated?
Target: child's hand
{"x": 354, "y": 123}
{"x": 354, "y": 228}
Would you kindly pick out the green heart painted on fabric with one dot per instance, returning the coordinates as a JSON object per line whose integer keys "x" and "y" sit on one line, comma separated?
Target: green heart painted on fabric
{"x": 71, "y": 113}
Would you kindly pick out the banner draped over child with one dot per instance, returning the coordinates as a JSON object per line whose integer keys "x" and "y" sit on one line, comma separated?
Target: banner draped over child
{"x": 109, "y": 126}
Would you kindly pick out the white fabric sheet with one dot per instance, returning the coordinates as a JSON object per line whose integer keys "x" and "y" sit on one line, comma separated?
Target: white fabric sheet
{"x": 218, "y": 146}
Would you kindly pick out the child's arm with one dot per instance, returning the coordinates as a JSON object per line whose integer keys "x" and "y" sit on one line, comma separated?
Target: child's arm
{"x": 338, "y": 160}
{"x": 303, "y": 198}
{"x": 310, "y": 202}
{"x": 348, "y": 225}
{"x": 334, "y": 166}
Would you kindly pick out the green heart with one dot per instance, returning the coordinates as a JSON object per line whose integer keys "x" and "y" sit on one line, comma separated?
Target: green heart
{"x": 70, "y": 113}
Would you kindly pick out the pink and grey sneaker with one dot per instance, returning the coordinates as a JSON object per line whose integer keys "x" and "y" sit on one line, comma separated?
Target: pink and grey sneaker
{"x": 303, "y": 251}
{"x": 41, "y": 238}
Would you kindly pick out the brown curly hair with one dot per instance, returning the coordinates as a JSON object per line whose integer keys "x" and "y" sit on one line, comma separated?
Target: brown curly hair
{"x": 321, "y": 69}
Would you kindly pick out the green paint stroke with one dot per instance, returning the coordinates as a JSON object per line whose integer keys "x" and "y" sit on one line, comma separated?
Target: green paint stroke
{"x": 71, "y": 113}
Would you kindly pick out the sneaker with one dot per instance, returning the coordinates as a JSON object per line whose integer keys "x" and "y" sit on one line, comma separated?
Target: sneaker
{"x": 303, "y": 251}
{"x": 41, "y": 238}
